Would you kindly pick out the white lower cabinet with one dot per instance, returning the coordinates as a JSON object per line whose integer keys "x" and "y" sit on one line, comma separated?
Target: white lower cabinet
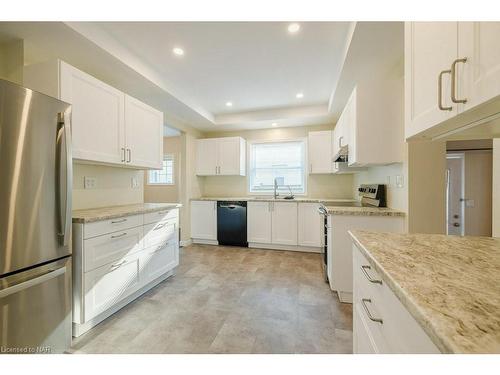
{"x": 111, "y": 269}
{"x": 310, "y": 225}
{"x": 284, "y": 223}
{"x": 381, "y": 323}
{"x": 259, "y": 222}
{"x": 204, "y": 221}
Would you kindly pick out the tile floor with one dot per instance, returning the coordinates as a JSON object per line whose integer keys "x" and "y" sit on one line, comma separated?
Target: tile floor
{"x": 231, "y": 300}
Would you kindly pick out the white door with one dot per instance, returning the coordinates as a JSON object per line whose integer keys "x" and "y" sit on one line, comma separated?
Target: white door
{"x": 143, "y": 134}
{"x": 455, "y": 193}
{"x": 259, "y": 222}
{"x": 310, "y": 225}
{"x": 97, "y": 116}
{"x": 204, "y": 220}
{"x": 478, "y": 78}
{"x": 284, "y": 223}
{"x": 430, "y": 49}
{"x": 206, "y": 157}
{"x": 228, "y": 156}
{"x": 109, "y": 284}
{"x": 319, "y": 146}
{"x": 337, "y": 134}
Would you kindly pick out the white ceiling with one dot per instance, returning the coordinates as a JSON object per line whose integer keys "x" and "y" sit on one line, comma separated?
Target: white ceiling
{"x": 255, "y": 65}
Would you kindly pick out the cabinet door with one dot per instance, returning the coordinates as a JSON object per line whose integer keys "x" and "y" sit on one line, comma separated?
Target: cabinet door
{"x": 284, "y": 223}
{"x": 337, "y": 134}
{"x": 143, "y": 134}
{"x": 319, "y": 146}
{"x": 259, "y": 222}
{"x": 109, "y": 284}
{"x": 479, "y": 77}
{"x": 430, "y": 48}
{"x": 229, "y": 156}
{"x": 204, "y": 220}
{"x": 310, "y": 225}
{"x": 97, "y": 116}
{"x": 158, "y": 260}
{"x": 206, "y": 157}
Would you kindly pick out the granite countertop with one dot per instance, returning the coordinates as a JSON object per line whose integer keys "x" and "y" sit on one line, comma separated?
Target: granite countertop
{"x": 271, "y": 199}
{"x": 449, "y": 284}
{"x": 363, "y": 211}
{"x": 106, "y": 213}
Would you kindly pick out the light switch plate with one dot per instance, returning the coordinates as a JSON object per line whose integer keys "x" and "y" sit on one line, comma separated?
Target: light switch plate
{"x": 135, "y": 183}
{"x": 89, "y": 182}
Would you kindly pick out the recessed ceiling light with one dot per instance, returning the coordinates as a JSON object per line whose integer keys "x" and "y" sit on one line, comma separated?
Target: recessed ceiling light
{"x": 293, "y": 28}
{"x": 299, "y": 95}
{"x": 178, "y": 51}
{"x": 274, "y": 124}
{"x": 229, "y": 104}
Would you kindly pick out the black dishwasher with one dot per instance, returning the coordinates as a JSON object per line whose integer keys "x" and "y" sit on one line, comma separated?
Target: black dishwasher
{"x": 232, "y": 223}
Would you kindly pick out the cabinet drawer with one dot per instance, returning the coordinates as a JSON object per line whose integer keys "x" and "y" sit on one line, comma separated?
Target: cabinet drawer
{"x": 108, "y": 226}
{"x": 108, "y": 248}
{"x": 158, "y": 260}
{"x": 154, "y": 217}
{"x": 109, "y": 284}
{"x": 160, "y": 233}
{"x": 363, "y": 273}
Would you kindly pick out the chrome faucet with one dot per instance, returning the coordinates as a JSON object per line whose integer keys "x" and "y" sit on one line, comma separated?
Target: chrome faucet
{"x": 275, "y": 188}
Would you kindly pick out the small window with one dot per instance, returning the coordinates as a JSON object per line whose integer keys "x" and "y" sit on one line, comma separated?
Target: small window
{"x": 163, "y": 176}
{"x": 284, "y": 161}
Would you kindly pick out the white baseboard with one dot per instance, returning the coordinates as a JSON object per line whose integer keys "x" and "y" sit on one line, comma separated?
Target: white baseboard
{"x": 345, "y": 297}
{"x": 205, "y": 242}
{"x": 80, "y": 329}
{"x": 267, "y": 246}
{"x": 184, "y": 243}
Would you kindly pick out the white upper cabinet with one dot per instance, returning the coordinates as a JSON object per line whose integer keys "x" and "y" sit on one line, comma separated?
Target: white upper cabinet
{"x": 144, "y": 134}
{"x": 107, "y": 125}
{"x": 319, "y": 146}
{"x": 430, "y": 47}
{"x": 452, "y": 76}
{"x": 221, "y": 156}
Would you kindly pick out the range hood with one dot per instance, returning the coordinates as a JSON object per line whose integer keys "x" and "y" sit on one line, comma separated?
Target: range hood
{"x": 342, "y": 155}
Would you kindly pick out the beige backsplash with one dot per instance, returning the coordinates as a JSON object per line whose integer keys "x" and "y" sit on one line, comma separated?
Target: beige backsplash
{"x": 113, "y": 186}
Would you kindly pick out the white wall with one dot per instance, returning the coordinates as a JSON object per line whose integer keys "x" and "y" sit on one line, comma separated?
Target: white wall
{"x": 496, "y": 188}
{"x": 318, "y": 186}
{"x": 113, "y": 186}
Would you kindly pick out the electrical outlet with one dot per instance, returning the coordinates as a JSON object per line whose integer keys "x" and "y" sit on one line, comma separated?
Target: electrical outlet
{"x": 89, "y": 182}
{"x": 135, "y": 183}
{"x": 399, "y": 181}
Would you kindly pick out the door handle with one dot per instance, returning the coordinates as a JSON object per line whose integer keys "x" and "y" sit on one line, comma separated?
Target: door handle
{"x": 370, "y": 316}
{"x": 454, "y": 80}
{"x": 123, "y": 154}
{"x": 129, "y": 153}
{"x": 440, "y": 91}
{"x": 64, "y": 166}
{"x": 117, "y": 265}
{"x": 119, "y": 235}
{"x": 32, "y": 282}
{"x": 370, "y": 279}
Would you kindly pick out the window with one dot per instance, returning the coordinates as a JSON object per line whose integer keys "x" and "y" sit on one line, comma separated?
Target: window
{"x": 283, "y": 160}
{"x": 163, "y": 176}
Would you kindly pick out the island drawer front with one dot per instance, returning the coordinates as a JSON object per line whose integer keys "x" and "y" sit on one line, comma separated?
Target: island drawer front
{"x": 111, "y": 247}
{"x": 399, "y": 332}
{"x": 160, "y": 233}
{"x": 167, "y": 214}
{"x": 158, "y": 260}
{"x": 105, "y": 286}
{"x": 112, "y": 225}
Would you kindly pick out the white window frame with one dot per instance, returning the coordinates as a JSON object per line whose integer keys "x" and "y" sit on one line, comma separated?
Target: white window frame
{"x": 284, "y": 190}
{"x": 165, "y": 158}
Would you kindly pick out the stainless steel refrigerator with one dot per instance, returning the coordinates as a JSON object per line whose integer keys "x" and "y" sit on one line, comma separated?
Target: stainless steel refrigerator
{"x": 35, "y": 221}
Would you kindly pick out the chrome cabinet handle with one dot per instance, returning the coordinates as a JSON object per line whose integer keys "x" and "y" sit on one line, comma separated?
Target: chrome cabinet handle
{"x": 123, "y": 155}
{"x": 370, "y": 316}
{"x": 454, "y": 80}
{"x": 118, "y": 221}
{"x": 119, "y": 235}
{"x": 340, "y": 141}
{"x": 440, "y": 91}
{"x": 215, "y": 169}
{"x": 370, "y": 279}
{"x": 160, "y": 226}
{"x": 117, "y": 265}
{"x": 129, "y": 153}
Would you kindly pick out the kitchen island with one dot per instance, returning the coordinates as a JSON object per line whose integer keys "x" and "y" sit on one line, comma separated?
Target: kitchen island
{"x": 448, "y": 285}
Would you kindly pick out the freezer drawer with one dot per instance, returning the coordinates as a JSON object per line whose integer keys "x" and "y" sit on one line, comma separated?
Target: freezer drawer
{"x": 35, "y": 309}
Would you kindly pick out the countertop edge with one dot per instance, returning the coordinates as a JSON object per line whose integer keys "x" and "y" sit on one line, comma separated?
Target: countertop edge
{"x": 413, "y": 309}
{"x": 82, "y": 220}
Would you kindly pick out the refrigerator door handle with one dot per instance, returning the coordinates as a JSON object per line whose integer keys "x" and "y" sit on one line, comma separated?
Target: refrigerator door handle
{"x": 32, "y": 282}
{"x": 65, "y": 173}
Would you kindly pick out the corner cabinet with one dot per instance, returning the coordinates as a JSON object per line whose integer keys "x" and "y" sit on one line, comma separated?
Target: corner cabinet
{"x": 452, "y": 77}
{"x": 108, "y": 126}
{"x": 221, "y": 156}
